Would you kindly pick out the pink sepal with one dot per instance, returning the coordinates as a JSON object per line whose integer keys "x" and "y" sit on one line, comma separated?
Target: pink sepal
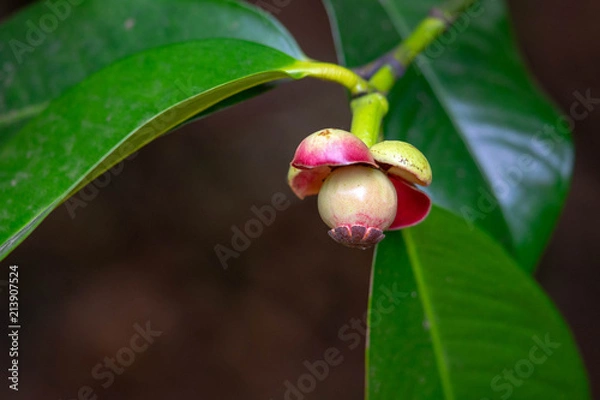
{"x": 413, "y": 204}
{"x": 307, "y": 182}
{"x": 332, "y": 148}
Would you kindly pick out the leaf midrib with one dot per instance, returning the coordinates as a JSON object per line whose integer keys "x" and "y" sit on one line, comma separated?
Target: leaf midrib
{"x": 426, "y": 302}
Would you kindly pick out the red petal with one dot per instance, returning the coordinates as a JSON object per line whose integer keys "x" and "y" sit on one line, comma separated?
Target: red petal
{"x": 332, "y": 148}
{"x": 307, "y": 182}
{"x": 413, "y": 205}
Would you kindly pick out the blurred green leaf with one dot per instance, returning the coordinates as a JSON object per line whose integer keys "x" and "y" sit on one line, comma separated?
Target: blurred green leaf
{"x": 453, "y": 317}
{"x": 107, "y": 117}
{"x": 52, "y": 45}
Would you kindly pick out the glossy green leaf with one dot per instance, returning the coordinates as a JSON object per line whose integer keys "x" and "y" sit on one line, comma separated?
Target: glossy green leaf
{"x": 501, "y": 165}
{"x": 52, "y": 45}
{"x": 116, "y": 111}
{"x": 500, "y": 154}
{"x": 453, "y": 317}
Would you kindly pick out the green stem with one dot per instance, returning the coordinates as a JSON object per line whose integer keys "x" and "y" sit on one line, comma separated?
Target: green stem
{"x": 367, "y": 114}
{"x": 383, "y": 73}
{"x": 331, "y": 72}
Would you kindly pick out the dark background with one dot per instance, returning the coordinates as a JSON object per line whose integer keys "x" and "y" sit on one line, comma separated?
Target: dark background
{"x": 142, "y": 249}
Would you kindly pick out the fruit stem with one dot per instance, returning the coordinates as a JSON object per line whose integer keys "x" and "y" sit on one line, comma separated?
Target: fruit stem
{"x": 367, "y": 114}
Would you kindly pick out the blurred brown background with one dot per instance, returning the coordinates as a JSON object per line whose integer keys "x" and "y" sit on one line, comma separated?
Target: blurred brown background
{"x": 142, "y": 249}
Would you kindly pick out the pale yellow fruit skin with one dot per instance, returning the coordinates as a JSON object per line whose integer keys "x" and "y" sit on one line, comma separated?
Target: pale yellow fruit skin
{"x": 358, "y": 196}
{"x": 406, "y": 161}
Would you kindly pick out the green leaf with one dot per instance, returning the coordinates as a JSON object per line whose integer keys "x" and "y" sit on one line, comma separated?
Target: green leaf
{"x": 116, "y": 111}
{"x": 448, "y": 326}
{"x": 52, "y": 45}
{"x": 500, "y": 155}
{"x": 467, "y": 311}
